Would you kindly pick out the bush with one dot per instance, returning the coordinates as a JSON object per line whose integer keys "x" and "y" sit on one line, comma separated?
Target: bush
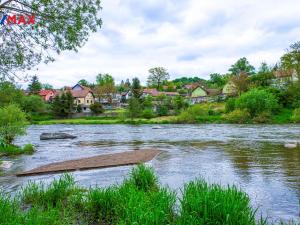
{"x": 296, "y": 115}
{"x": 12, "y": 123}
{"x": 33, "y": 104}
{"x": 257, "y": 101}
{"x": 264, "y": 117}
{"x": 230, "y": 105}
{"x": 162, "y": 110}
{"x": 97, "y": 108}
{"x": 190, "y": 115}
{"x": 28, "y": 149}
{"x": 134, "y": 109}
{"x": 237, "y": 116}
{"x": 148, "y": 113}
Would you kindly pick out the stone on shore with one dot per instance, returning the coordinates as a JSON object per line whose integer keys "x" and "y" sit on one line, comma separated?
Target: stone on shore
{"x": 60, "y": 135}
{"x": 290, "y": 145}
{"x": 6, "y": 164}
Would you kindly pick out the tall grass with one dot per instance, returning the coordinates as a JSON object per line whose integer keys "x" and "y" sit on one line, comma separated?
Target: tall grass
{"x": 16, "y": 150}
{"x": 212, "y": 204}
{"x": 138, "y": 200}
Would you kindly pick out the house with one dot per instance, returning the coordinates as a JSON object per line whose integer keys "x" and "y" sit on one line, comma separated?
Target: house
{"x": 155, "y": 93}
{"x": 150, "y": 92}
{"x": 48, "y": 95}
{"x": 283, "y": 77}
{"x": 83, "y": 96}
{"x": 229, "y": 89}
{"x": 203, "y": 94}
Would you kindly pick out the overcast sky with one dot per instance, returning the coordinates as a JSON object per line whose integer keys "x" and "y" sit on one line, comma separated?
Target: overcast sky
{"x": 187, "y": 37}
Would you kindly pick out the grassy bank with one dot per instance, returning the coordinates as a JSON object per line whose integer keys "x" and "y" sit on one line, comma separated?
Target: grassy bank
{"x": 283, "y": 117}
{"x": 8, "y": 150}
{"x": 138, "y": 200}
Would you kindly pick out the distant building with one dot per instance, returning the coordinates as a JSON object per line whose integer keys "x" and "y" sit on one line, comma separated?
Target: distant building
{"x": 284, "y": 77}
{"x": 203, "y": 94}
{"x": 48, "y": 95}
{"x": 83, "y": 96}
{"x": 229, "y": 89}
{"x": 155, "y": 93}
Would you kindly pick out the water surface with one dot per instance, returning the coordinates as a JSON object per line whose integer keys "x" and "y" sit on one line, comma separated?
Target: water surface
{"x": 252, "y": 157}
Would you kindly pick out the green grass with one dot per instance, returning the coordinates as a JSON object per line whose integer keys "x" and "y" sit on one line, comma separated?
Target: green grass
{"x": 212, "y": 204}
{"x": 285, "y": 116}
{"x": 138, "y": 200}
{"x": 8, "y": 150}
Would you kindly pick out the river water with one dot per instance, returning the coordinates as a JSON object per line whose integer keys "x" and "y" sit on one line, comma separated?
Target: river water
{"x": 253, "y": 157}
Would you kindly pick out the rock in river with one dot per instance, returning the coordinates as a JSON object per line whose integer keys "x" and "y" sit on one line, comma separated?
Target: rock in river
{"x": 6, "y": 164}
{"x": 50, "y": 136}
{"x": 290, "y": 145}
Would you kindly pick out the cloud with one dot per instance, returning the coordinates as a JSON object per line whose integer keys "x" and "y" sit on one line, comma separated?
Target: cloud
{"x": 189, "y": 38}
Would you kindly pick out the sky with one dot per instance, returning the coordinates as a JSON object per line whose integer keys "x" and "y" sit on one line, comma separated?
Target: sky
{"x": 187, "y": 37}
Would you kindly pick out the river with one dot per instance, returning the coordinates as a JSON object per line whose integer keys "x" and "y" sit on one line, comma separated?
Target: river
{"x": 253, "y": 157}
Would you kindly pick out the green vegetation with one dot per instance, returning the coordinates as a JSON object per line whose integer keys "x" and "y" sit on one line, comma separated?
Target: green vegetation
{"x": 8, "y": 150}
{"x": 296, "y": 115}
{"x": 12, "y": 123}
{"x": 138, "y": 200}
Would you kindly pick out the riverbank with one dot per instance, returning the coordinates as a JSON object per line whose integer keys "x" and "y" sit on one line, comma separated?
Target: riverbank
{"x": 140, "y": 199}
{"x": 284, "y": 117}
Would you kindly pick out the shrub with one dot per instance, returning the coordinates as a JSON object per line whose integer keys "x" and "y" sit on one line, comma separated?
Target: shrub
{"x": 148, "y": 113}
{"x": 230, "y": 105}
{"x": 97, "y": 108}
{"x": 162, "y": 110}
{"x": 134, "y": 108}
{"x": 264, "y": 117}
{"x": 296, "y": 115}
{"x": 202, "y": 203}
{"x": 12, "y": 123}
{"x": 257, "y": 101}
{"x": 28, "y": 149}
{"x": 237, "y": 116}
{"x": 33, "y": 104}
{"x": 190, "y": 115}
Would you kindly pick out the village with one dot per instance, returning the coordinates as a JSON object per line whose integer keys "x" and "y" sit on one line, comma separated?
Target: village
{"x": 191, "y": 93}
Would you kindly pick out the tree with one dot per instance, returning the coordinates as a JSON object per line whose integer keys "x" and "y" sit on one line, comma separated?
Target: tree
{"x": 242, "y": 65}
{"x": 263, "y": 77}
{"x": 33, "y": 104}
{"x": 157, "y": 76}
{"x": 257, "y": 101}
{"x": 47, "y": 86}
{"x": 12, "y": 123}
{"x": 9, "y": 93}
{"x": 96, "y": 108}
{"x": 134, "y": 108}
{"x": 103, "y": 79}
{"x": 105, "y": 87}
{"x": 291, "y": 60}
{"x": 241, "y": 82}
{"x": 84, "y": 82}
{"x": 53, "y": 26}
{"x": 136, "y": 88}
{"x": 35, "y": 86}
{"x": 63, "y": 105}
{"x": 217, "y": 80}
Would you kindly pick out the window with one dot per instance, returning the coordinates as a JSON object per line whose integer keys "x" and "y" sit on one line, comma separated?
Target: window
{"x": 87, "y": 101}
{"x": 78, "y": 101}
